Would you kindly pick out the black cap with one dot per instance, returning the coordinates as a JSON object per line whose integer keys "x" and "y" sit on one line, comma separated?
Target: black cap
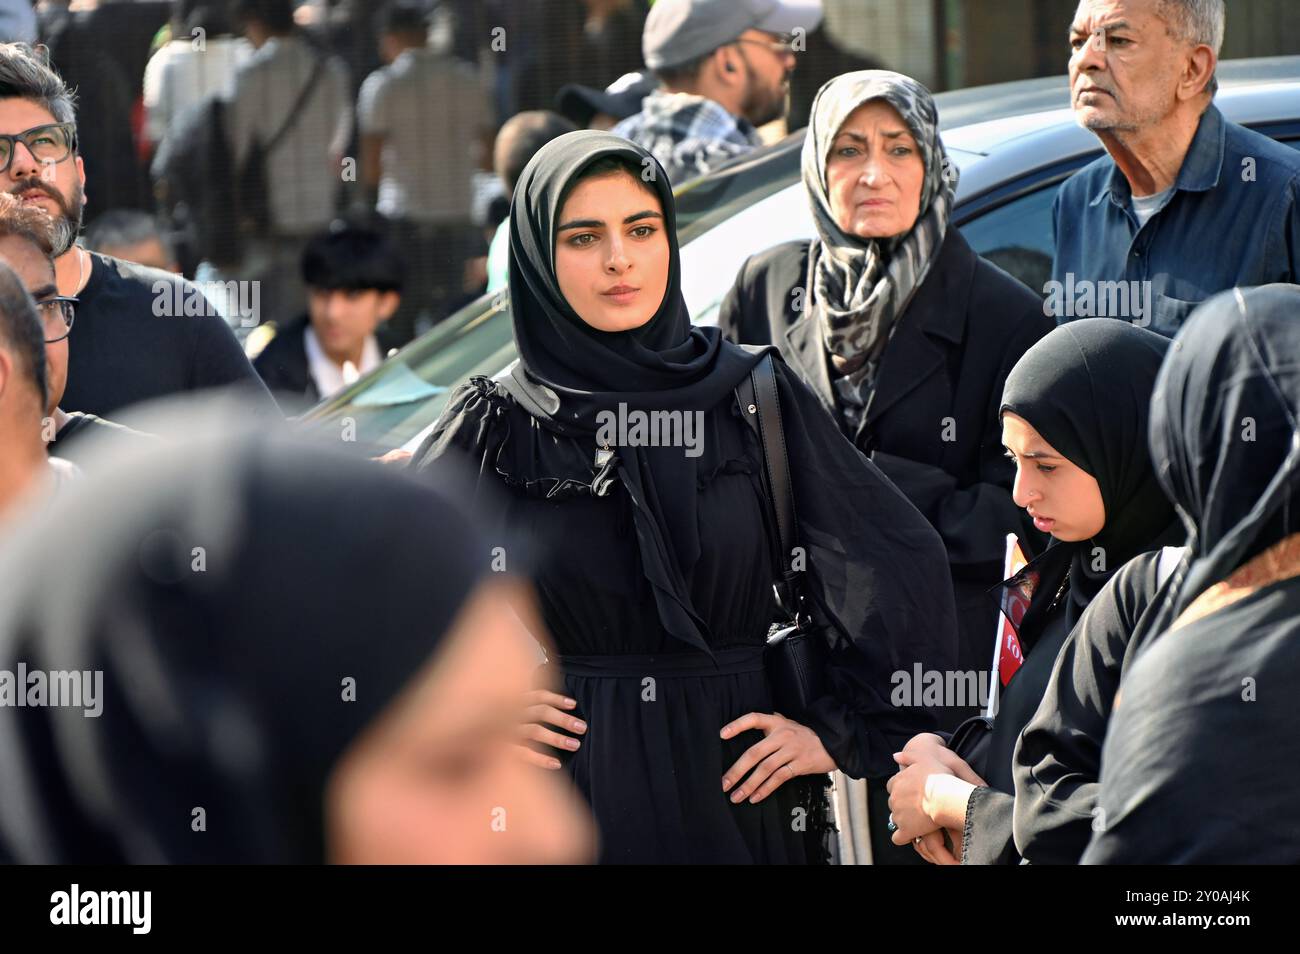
{"x": 620, "y": 99}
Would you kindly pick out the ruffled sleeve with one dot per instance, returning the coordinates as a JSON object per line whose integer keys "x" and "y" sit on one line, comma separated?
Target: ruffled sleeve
{"x": 505, "y": 445}
{"x": 472, "y": 424}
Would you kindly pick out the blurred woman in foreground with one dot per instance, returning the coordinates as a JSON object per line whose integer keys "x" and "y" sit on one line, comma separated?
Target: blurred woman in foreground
{"x": 282, "y": 657}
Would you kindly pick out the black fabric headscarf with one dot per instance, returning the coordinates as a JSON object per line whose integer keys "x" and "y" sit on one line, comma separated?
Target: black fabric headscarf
{"x": 1086, "y": 388}
{"x": 1225, "y": 431}
{"x": 568, "y": 371}
{"x": 222, "y": 686}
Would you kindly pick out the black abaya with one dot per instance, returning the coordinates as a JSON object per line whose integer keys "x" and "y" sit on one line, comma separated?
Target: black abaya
{"x": 652, "y": 760}
{"x": 1085, "y": 388}
{"x": 1058, "y": 755}
{"x": 1200, "y": 762}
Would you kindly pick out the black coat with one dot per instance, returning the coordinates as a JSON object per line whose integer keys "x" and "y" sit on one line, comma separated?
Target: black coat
{"x": 285, "y": 371}
{"x": 932, "y": 423}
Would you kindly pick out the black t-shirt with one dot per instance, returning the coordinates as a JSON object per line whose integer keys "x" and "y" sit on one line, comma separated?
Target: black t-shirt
{"x": 141, "y": 333}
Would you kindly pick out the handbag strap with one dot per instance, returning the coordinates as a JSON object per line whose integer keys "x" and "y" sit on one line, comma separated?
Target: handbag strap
{"x": 295, "y": 111}
{"x": 760, "y": 405}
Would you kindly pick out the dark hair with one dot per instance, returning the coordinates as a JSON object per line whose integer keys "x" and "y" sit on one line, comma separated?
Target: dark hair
{"x": 26, "y": 74}
{"x": 403, "y": 17}
{"x": 683, "y": 73}
{"x": 121, "y": 227}
{"x": 275, "y": 15}
{"x": 21, "y": 331}
{"x": 27, "y": 222}
{"x": 352, "y": 258}
{"x": 213, "y": 16}
{"x": 520, "y": 137}
{"x": 498, "y": 211}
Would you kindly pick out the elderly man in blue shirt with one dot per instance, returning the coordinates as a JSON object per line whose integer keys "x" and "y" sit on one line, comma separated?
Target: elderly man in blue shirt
{"x": 1185, "y": 204}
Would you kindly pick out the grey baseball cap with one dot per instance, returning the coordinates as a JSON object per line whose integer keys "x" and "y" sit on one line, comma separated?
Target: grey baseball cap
{"x": 677, "y": 31}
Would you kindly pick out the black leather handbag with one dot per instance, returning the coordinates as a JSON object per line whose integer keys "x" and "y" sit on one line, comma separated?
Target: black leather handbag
{"x": 796, "y": 652}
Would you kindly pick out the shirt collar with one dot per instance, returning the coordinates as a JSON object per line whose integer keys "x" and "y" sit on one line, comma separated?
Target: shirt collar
{"x": 664, "y": 104}
{"x": 329, "y": 377}
{"x": 1201, "y": 169}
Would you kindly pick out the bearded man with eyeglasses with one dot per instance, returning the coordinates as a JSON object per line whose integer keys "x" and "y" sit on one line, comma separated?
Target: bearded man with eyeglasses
{"x": 27, "y": 246}
{"x": 128, "y": 347}
{"x": 724, "y": 69}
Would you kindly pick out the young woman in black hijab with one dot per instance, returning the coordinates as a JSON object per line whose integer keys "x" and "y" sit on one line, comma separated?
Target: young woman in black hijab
{"x": 1202, "y": 761}
{"x": 657, "y": 583}
{"x": 281, "y": 656}
{"x": 1074, "y": 417}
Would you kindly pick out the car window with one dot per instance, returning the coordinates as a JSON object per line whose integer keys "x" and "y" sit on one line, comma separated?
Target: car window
{"x": 1017, "y": 236}
{"x": 711, "y": 262}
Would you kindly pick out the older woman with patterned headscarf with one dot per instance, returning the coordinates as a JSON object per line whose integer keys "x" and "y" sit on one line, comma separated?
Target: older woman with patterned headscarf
{"x": 904, "y": 332}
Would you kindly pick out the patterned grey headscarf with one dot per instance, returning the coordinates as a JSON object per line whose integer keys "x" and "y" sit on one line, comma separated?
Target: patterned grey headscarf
{"x": 857, "y": 288}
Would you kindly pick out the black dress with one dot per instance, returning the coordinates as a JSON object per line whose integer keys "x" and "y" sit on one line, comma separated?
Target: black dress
{"x": 651, "y": 761}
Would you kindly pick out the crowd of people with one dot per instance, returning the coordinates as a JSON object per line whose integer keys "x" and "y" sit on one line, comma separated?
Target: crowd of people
{"x": 662, "y": 592}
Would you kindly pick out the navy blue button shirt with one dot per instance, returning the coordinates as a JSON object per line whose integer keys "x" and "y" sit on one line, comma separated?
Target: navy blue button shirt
{"x": 1231, "y": 220}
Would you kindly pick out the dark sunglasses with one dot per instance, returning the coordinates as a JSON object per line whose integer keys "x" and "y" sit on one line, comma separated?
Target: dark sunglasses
{"x": 57, "y": 315}
{"x": 50, "y": 143}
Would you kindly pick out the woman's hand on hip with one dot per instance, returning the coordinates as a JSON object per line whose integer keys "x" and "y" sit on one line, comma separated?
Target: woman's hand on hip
{"x": 542, "y": 708}
{"x": 787, "y": 750}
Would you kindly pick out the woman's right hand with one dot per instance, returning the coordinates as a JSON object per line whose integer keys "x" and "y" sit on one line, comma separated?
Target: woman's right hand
{"x": 931, "y": 745}
{"x": 543, "y": 708}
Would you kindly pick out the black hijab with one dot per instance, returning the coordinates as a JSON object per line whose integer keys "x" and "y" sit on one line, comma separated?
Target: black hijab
{"x": 1086, "y": 388}
{"x": 569, "y": 372}
{"x": 1225, "y": 431}
{"x": 223, "y": 687}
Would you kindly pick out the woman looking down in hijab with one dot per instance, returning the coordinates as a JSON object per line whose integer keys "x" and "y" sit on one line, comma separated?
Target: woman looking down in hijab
{"x": 1201, "y": 759}
{"x": 303, "y": 695}
{"x": 1074, "y": 417}
{"x": 904, "y": 333}
{"x": 658, "y": 566}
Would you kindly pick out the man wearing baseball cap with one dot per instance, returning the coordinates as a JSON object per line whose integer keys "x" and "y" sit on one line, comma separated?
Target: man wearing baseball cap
{"x": 723, "y": 68}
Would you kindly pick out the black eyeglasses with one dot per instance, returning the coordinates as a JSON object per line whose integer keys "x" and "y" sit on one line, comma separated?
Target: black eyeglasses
{"x": 57, "y": 314}
{"x": 50, "y": 143}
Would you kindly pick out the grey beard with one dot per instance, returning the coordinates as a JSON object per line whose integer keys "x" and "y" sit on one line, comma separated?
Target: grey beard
{"x": 67, "y": 225}
{"x": 65, "y": 233}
